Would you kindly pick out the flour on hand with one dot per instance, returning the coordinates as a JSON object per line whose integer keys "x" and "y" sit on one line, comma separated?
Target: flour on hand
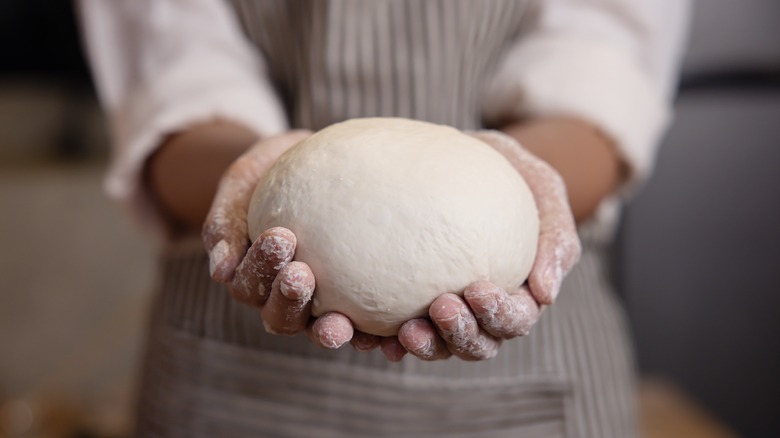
{"x": 390, "y": 213}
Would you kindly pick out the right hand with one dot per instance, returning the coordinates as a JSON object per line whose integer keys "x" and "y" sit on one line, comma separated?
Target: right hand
{"x": 263, "y": 275}
{"x": 225, "y": 229}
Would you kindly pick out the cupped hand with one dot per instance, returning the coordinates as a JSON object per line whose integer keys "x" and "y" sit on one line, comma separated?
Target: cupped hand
{"x": 472, "y": 327}
{"x": 263, "y": 275}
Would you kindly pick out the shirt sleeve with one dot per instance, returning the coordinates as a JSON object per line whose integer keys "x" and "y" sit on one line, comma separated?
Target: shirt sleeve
{"x": 611, "y": 62}
{"x": 163, "y": 65}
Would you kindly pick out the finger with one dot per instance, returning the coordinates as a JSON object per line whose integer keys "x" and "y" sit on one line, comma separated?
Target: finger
{"x": 499, "y": 313}
{"x": 459, "y": 329}
{"x": 288, "y": 307}
{"x": 362, "y": 341}
{"x": 255, "y": 275}
{"x": 419, "y": 338}
{"x": 392, "y": 349}
{"x": 331, "y": 330}
{"x": 225, "y": 229}
{"x": 559, "y": 248}
{"x": 557, "y": 252}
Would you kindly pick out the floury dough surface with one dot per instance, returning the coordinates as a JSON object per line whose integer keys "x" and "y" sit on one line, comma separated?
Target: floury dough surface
{"x": 391, "y": 213}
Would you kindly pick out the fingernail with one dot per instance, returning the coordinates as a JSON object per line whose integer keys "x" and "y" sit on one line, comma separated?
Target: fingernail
{"x": 294, "y": 286}
{"x": 285, "y": 290}
{"x": 479, "y": 292}
{"x": 268, "y": 328}
{"x": 278, "y": 248}
{"x": 330, "y": 340}
{"x": 424, "y": 348}
{"x": 217, "y": 256}
{"x": 448, "y": 310}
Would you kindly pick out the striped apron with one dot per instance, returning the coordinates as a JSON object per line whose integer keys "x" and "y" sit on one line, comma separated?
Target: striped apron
{"x": 212, "y": 371}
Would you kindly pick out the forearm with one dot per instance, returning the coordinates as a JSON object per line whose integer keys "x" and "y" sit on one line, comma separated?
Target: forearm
{"x": 586, "y": 159}
{"x": 183, "y": 174}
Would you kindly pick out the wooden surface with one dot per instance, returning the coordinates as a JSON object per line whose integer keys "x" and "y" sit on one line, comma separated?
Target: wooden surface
{"x": 668, "y": 413}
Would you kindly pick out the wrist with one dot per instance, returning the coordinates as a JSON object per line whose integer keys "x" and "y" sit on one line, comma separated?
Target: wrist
{"x": 181, "y": 177}
{"x": 586, "y": 159}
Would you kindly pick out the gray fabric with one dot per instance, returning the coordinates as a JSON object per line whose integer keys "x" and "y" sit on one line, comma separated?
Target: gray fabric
{"x": 340, "y": 59}
{"x": 211, "y": 369}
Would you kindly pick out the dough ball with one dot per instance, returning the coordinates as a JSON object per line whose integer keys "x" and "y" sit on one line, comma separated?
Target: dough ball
{"x": 391, "y": 213}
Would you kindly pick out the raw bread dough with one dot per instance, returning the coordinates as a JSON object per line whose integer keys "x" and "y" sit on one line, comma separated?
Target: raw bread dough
{"x": 390, "y": 213}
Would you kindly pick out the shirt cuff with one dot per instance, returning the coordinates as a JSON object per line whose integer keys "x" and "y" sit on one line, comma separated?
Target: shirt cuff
{"x": 140, "y": 127}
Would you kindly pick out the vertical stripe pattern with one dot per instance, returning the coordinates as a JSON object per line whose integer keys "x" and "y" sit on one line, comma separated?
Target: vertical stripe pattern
{"x": 333, "y": 60}
{"x": 211, "y": 370}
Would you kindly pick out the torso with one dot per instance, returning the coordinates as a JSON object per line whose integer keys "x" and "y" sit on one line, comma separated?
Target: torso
{"x": 333, "y": 60}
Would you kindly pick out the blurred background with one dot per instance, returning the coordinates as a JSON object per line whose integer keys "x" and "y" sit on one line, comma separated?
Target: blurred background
{"x": 697, "y": 259}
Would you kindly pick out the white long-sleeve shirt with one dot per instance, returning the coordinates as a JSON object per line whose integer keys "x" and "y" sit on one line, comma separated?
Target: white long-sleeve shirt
{"x": 163, "y": 65}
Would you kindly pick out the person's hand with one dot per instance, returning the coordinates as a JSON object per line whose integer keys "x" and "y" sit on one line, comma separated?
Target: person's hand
{"x": 263, "y": 275}
{"x": 472, "y": 327}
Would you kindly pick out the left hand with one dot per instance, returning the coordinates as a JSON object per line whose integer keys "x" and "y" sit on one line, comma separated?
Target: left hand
{"x": 473, "y": 327}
